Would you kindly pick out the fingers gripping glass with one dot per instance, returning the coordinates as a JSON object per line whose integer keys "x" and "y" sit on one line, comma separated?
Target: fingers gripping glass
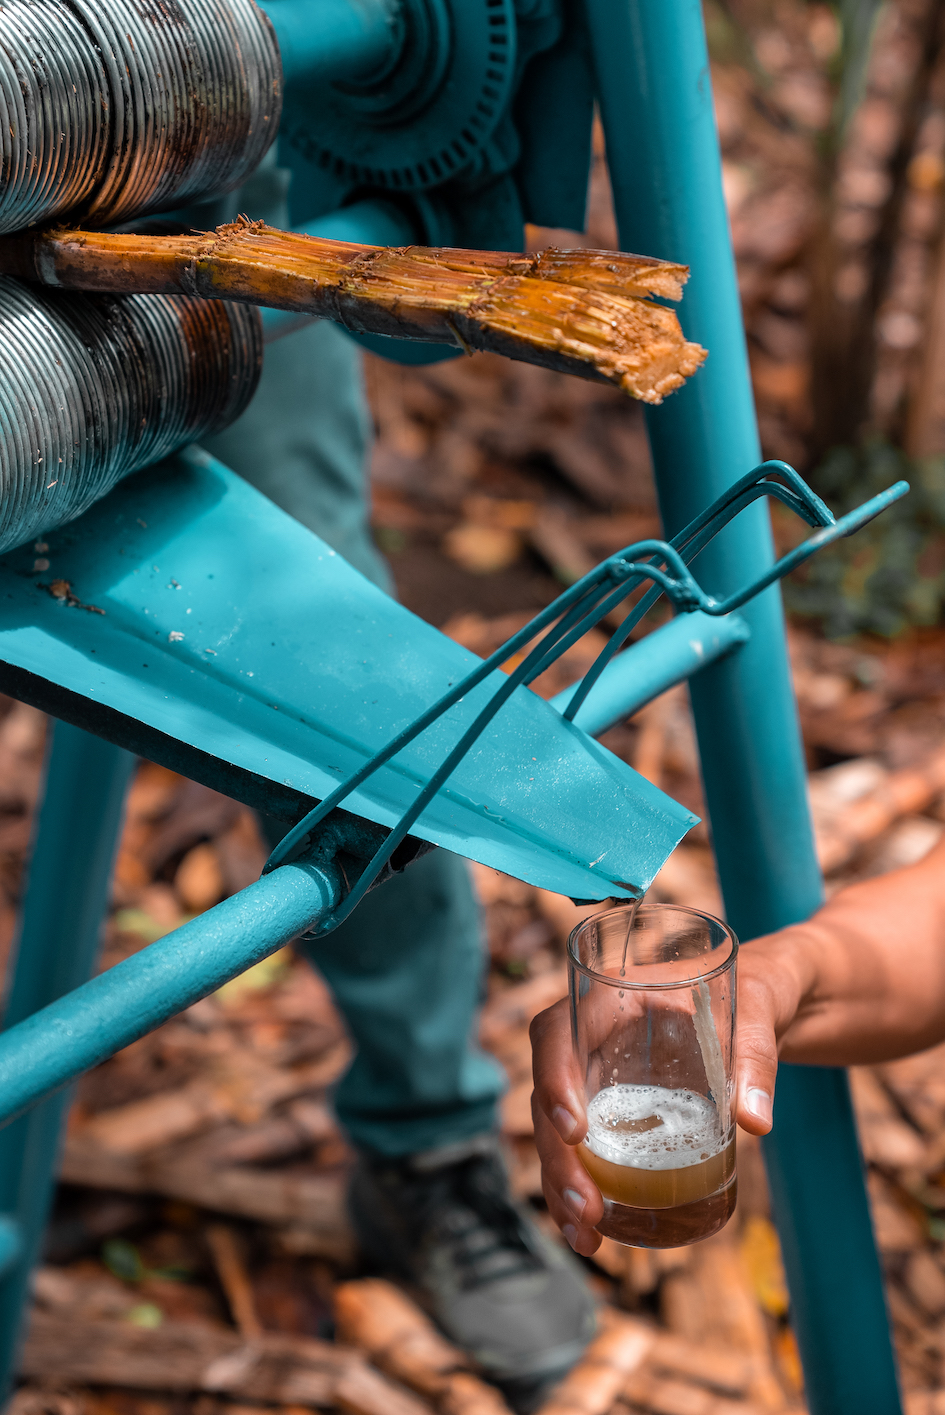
{"x": 653, "y": 1030}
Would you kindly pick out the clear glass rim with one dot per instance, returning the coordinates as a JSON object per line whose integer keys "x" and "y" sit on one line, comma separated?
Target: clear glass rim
{"x": 628, "y": 983}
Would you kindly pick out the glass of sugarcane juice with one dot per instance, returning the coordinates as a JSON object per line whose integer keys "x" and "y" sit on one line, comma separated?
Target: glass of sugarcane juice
{"x": 653, "y": 1029}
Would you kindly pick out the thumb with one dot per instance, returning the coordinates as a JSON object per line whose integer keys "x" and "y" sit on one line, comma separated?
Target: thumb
{"x": 757, "y": 1049}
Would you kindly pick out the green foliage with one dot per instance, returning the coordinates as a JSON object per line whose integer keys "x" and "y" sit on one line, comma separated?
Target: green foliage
{"x": 124, "y": 1261}
{"x": 858, "y": 24}
{"x": 146, "y": 1315}
{"x": 890, "y": 575}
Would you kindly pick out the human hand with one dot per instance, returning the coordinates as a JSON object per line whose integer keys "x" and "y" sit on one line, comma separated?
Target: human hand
{"x": 769, "y": 993}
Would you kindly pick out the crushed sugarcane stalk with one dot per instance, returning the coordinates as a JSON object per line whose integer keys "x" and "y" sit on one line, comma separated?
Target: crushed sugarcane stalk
{"x": 580, "y": 312}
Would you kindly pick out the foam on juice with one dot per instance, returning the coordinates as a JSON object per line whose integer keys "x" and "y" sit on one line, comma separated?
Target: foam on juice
{"x": 652, "y": 1147}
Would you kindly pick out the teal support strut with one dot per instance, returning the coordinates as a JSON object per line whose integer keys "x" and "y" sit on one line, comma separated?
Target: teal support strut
{"x": 324, "y": 41}
{"x": 654, "y": 90}
{"x": 66, "y": 896}
{"x": 669, "y": 655}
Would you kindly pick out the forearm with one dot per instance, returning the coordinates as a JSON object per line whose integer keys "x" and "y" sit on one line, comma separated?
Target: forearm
{"x": 864, "y": 979}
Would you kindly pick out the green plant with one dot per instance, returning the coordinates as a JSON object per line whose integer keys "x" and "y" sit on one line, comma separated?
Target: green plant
{"x": 890, "y": 576}
{"x": 124, "y": 1261}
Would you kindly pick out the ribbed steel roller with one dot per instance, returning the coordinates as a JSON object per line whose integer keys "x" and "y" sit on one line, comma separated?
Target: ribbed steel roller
{"x": 98, "y": 386}
{"x": 117, "y": 108}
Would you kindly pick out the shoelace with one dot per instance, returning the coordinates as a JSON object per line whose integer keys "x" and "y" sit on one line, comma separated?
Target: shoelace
{"x": 470, "y": 1215}
{"x": 487, "y": 1255}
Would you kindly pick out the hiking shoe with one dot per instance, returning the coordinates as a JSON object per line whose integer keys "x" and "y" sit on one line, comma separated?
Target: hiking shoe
{"x": 444, "y": 1222}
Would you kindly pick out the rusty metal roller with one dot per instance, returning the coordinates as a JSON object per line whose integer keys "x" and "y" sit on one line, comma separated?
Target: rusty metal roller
{"x": 116, "y": 108}
{"x": 97, "y": 386}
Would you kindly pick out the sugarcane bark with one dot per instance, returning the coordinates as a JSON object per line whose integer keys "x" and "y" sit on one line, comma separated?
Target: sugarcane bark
{"x": 579, "y": 312}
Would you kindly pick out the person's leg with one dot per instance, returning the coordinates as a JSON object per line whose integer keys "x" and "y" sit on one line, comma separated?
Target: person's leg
{"x": 304, "y": 441}
{"x": 406, "y": 968}
{"x": 407, "y": 971}
{"x": 430, "y": 1196}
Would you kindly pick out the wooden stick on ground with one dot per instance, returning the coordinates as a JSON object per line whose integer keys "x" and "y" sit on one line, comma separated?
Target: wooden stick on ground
{"x": 234, "y": 1279}
{"x": 580, "y": 312}
{"x": 397, "y": 1336}
{"x": 591, "y": 1388}
{"x": 310, "y": 1206}
{"x": 187, "y": 1356}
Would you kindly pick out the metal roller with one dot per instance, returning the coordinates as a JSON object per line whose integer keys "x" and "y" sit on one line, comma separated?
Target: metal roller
{"x": 117, "y": 108}
{"x": 98, "y": 386}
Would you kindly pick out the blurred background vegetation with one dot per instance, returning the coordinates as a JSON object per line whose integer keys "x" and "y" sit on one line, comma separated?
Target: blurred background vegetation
{"x": 851, "y": 97}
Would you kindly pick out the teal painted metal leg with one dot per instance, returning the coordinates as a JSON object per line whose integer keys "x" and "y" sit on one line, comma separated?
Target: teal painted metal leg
{"x": 66, "y": 895}
{"x": 656, "y": 102}
{"x": 58, "y": 1022}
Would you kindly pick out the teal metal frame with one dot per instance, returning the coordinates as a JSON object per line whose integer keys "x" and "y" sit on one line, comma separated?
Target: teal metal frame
{"x": 56, "y": 948}
{"x": 669, "y": 655}
{"x": 72, "y": 856}
{"x": 652, "y": 82}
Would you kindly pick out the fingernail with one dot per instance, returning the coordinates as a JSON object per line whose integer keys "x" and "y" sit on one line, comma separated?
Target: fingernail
{"x": 759, "y": 1103}
{"x": 575, "y": 1202}
{"x": 570, "y": 1233}
{"x": 564, "y": 1122}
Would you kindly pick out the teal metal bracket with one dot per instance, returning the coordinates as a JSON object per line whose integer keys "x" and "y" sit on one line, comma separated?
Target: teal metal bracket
{"x": 566, "y": 620}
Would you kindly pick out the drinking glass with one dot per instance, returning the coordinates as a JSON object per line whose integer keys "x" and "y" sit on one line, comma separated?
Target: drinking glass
{"x": 653, "y": 1027}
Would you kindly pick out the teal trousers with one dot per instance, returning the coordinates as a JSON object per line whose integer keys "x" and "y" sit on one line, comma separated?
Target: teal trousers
{"x": 407, "y": 968}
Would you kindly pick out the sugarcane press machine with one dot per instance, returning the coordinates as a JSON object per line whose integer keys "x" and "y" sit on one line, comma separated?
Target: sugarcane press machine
{"x": 173, "y": 613}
